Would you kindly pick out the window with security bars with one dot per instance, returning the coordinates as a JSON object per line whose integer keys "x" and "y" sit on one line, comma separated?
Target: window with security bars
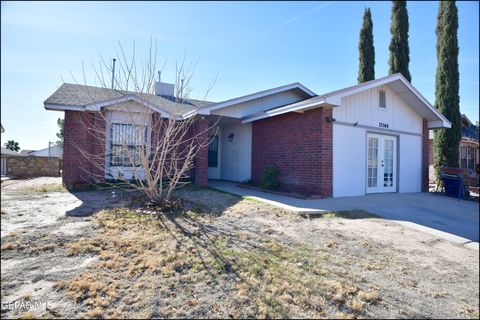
{"x": 126, "y": 144}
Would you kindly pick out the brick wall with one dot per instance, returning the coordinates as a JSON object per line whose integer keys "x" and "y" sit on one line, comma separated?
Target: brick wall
{"x": 425, "y": 156}
{"x": 201, "y": 160}
{"x": 29, "y": 167}
{"x": 83, "y": 150}
{"x": 300, "y": 145}
{"x": 84, "y": 134}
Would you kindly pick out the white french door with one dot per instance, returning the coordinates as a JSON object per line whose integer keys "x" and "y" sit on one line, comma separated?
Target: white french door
{"x": 381, "y": 163}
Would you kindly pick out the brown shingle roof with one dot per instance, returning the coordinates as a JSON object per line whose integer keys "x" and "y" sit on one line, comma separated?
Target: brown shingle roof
{"x": 76, "y": 95}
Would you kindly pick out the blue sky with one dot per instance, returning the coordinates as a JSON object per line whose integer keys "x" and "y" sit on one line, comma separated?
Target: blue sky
{"x": 252, "y": 45}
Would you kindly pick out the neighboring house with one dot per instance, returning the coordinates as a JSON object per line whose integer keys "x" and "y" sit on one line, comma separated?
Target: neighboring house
{"x": 367, "y": 138}
{"x": 25, "y": 152}
{"x": 53, "y": 151}
{"x": 5, "y": 154}
{"x": 468, "y": 151}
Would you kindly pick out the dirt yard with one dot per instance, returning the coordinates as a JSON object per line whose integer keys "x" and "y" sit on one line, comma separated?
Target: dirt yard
{"x": 93, "y": 254}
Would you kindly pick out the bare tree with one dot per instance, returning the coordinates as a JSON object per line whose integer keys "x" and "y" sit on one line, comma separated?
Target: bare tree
{"x": 138, "y": 145}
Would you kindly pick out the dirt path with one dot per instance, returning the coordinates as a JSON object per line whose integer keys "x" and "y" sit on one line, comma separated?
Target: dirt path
{"x": 414, "y": 274}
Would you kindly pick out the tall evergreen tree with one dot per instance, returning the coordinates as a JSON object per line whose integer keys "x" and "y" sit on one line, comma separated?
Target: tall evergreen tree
{"x": 399, "y": 50}
{"x": 447, "y": 100}
{"x": 366, "y": 50}
{"x": 61, "y": 125}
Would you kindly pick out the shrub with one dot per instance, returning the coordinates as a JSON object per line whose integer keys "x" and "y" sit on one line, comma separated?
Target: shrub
{"x": 270, "y": 177}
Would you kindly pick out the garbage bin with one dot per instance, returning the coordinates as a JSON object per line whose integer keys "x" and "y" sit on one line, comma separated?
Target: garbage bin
{"x": 453, "y": 182}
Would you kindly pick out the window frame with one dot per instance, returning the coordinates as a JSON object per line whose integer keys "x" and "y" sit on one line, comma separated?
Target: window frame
{"x": 214, "y": 141}
{"x": 467, "y": 157}
{"x": 380, "y": 92}
{"x": 125, "y": 162}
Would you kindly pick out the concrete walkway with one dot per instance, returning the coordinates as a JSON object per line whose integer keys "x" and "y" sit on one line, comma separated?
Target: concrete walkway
{"x": 448, "y": 218}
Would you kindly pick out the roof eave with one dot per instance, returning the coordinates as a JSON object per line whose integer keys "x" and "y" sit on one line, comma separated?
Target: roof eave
{"x": 294, "y": 107}
{"x": 256, "y": 95}
{"x": 59, "y": 107}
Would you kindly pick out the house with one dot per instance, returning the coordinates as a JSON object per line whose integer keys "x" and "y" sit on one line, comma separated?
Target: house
{"x": 367, "y": 138}
{"x": 468, "y": 150}
{"x": 5, "y": 154}
{"x": 53, "y": 150}
{"x": 26, "y": 152}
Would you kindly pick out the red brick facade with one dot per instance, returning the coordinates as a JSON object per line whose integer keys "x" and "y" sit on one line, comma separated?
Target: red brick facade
{"x": 201, "y": 160}
{"x": 300, "y": 145}
{"x": 84, "y": 149}
{"x": 82, "y": 133}
{"x": 425, "y": 156}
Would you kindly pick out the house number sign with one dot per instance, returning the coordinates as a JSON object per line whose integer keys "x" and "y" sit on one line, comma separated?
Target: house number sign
{"x": 383, "y": 125}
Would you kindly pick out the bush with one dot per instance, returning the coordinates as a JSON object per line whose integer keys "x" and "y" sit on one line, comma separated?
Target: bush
{"x": 270, "y": 178}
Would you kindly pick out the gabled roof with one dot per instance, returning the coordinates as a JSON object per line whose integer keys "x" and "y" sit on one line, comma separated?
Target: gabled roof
{"x": 8, "y": 152}
{"x": 88, "y": 98}
{"x": 396, "y": 82}
{"x": 260, "y": 94}
{"x": 469, "y": 130}
{"x": 25, "y": 152}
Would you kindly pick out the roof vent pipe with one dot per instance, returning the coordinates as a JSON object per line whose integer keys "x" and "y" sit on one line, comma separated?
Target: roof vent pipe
{"x": 181, "y": 89}
{"x": 113, "y": 72}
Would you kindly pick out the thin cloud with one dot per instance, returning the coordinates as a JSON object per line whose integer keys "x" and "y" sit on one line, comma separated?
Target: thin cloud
{"x": 303, "y": 14}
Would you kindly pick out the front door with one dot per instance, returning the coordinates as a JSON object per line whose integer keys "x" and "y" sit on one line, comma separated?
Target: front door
{"x": 381, "y": 163}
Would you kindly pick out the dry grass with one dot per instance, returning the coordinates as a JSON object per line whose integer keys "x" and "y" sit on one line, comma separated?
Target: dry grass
{"x": 140, "y": 255}
{"x": 29, "y": 315}
{"x": 351, "y": 214}
{"x": 44, "y": 188}
{"x": 8, "y": 246}
{"x": 27, "y": 296}
{"x": 242, "y": 259}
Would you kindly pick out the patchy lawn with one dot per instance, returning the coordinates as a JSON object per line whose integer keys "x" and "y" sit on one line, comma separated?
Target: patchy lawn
{"x": 224, "y": 257}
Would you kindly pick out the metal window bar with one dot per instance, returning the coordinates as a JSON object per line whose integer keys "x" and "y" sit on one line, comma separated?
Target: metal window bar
{"x": 126, "y": 144}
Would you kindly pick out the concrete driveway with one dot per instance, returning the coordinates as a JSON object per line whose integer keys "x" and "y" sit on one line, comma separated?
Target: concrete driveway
{"x": 449, "y": 218}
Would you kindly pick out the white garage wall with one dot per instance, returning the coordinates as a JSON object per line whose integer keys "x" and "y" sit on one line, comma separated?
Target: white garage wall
{"x": 349, "y": 143}
{"x": 349, "y": 163}
{"x": 363, "y": 108}
{"x": 410, "y": 163}
{"x": 236, "y": 155}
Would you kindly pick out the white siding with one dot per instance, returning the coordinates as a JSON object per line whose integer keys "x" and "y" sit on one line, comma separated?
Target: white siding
{"x": 247, "y": 108}
{"x": 54, "y": 151}
{"x": 363, "y": 108}
{"x": 410, "y": 163}
{"x": 349, "y": 163}
{"x": 349, "y": 143}
{"x": 236, "y": 155}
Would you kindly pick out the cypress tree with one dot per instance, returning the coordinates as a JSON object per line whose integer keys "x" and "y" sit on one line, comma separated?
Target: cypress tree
{"x": 399, "y": 50}
{"x": 366, "y": 50}
{"x": 447, "y": 100}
